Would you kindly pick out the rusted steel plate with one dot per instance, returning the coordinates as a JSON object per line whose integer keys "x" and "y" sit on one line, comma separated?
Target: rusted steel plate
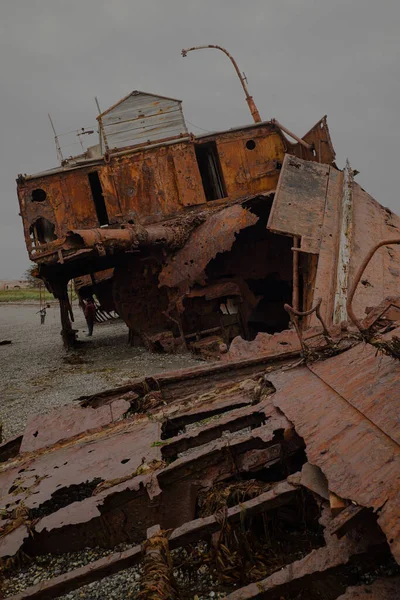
{"x": 319, "y": 137}
{"x": 216, "y": 235}
{"x": 360, "y": 461}
{"x": 298, "y": 575}
{"x": 381, "y": 589}
{"x": 67, "y": 422}
{"x": 371, "y": 224}
{"x": 250, "y": 170}
{"x": 12, "y": 542}
{"x": 299, "y": 203}
{"x": 242, "y": 417}
{"x": 369, "y": 383}
{"x": 190, "y": 187}
{"x": 35, "y": 478}
{"x": 266, "y": 344}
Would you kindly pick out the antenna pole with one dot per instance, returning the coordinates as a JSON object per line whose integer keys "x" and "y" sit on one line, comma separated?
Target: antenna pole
{"x": 249, "y": 99}
{"x": 100, "y": 132}
{"x": 58, "y": 148}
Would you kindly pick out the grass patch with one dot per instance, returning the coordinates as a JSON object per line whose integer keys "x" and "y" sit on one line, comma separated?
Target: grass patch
{"x": 31, "y": 294}
{"x": 20, "y": 295}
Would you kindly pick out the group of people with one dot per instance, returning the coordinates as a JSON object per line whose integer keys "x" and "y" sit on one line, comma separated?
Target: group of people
{"x": 89, "y": 312}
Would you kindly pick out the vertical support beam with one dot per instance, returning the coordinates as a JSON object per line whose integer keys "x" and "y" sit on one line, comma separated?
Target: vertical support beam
{"x": 295, "y": 292}
{"x": 60, "y": 291}
{"x": 343, "y": 265}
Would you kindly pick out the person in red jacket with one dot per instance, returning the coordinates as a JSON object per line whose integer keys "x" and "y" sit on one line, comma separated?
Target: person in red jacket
{"x": 90, "y": 313}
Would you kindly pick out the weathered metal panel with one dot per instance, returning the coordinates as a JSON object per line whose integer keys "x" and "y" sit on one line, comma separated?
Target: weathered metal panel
{"x": 188, "y": 179}
{"x": 319, "y": 137}
{"x": 359, "y": 457}
{"x": 250, "y": 170}
{"x": 370, "y": 384}
{"x": 78, "y": 202}
{"x": 147, "y": 185}
{"x": 371, "y": 224}
{"x": 299, "y": 204}
{"x": 327, "y": 258}
{"x": 142, "y": 118}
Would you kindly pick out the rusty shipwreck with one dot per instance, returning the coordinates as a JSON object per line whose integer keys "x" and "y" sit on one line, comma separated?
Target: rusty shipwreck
{"x": 282, "y": 457}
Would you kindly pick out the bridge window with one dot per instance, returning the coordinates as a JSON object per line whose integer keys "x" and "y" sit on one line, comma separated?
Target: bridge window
{"x": 210, "y": 171}
{"x": 98, "y": 198}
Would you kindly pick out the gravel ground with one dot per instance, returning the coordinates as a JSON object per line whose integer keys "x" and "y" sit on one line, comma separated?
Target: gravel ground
{"x": 35, "y": 374}
{"x": 200, "y": 584}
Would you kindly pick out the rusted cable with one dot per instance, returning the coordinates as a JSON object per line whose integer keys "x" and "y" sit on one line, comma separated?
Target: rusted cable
{"x": 357, "y": 278}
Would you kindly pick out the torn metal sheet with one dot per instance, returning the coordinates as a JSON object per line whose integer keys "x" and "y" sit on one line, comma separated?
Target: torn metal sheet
{"x": 216, "y": 235}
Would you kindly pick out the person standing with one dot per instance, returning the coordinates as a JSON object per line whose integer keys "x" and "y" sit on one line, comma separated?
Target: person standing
{"x": 90, "y": 313}
{"x": 42, "y": 313}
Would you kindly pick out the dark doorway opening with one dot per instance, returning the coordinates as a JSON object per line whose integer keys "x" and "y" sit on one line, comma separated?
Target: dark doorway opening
{"x": 98, "y": 198}
{"x": 210, "y": 171}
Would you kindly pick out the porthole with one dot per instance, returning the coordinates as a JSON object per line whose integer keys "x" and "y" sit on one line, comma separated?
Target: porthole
{"x": 250, "y": 144}
{"x": 38, "y": 195}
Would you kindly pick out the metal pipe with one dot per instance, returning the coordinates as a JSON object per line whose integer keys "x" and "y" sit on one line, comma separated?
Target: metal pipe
{"x": 295, "y": 294}
{"x": 363, "y": 266}
{"x": 249, "y": 99}
{"x": 292, "y": 135}
{"x": 307, "y": 313}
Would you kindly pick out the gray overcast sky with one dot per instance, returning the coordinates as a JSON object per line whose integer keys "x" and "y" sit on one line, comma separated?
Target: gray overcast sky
{"x": 303, "y": 59}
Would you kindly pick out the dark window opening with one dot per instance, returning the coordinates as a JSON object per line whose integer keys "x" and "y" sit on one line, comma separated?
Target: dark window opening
{"x": 42, "y": 231}
{"x": 98, "y": 198}
{"x": 38, "y": 195}
{"x": 250, "y": 144}
{"x": 210, "y": 171}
